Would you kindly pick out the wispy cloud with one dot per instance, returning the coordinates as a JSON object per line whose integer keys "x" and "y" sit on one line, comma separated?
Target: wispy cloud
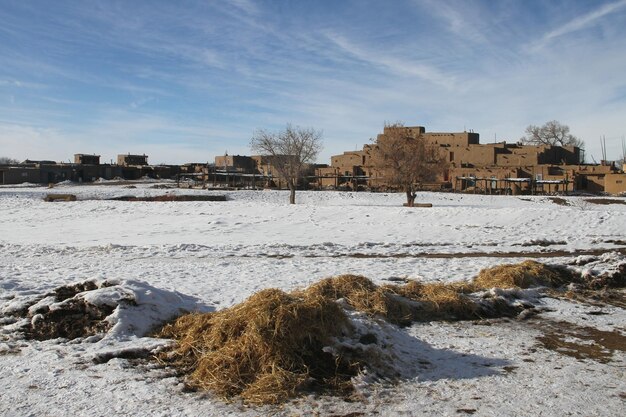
{"x": 405, "y": 65}
{"x": 461, "y": 18}
{"x": 579, "y": 23}
{"x": 247, "y": 6}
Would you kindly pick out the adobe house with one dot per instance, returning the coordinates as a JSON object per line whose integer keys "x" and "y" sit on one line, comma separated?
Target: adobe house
{"x": 591, "y": 178}
{"x": 85, "y": 159}
{"x": 19, "y": 174}
{"x": 129, "y": 160}
{"x": 615, "y": 183}
{"x": 235, "y": 163}
{"x": 494, "y": 168}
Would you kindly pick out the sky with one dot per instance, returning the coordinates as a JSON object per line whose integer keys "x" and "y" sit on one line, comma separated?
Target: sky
{"x": 186, "y": 81}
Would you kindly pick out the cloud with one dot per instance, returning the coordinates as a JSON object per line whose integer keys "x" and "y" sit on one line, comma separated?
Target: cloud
{"x": 402, "y": 66}
{"x": 461, "y": 18}
{"x": 579, "y": 23}
{"x": 247, "y": 6}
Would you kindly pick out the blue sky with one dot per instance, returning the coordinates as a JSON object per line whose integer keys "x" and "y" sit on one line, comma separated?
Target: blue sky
{"x": 185, "y": 81}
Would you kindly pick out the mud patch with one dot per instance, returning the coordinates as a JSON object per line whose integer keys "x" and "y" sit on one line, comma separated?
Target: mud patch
{"x": 440, "y": 255}
{"x": 71, "y": 319}
{"x": 602, "y": 298}
{"x": 613, "y": 278}
{"x": 560, "y": 201}
{"x": 172, "y": 197}
{"x": 69, "y": 291}
{"x": 542, "y": 242}
{"x": 580, "y": 342}
{"x": 63, "y": 313}
{"x": 605, "y": 201}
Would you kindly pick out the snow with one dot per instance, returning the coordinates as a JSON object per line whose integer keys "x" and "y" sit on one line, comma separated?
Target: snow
{"x": 160, "y": 258}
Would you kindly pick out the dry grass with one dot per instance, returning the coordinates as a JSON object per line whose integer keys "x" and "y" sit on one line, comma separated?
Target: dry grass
{"x": 363, "y": 295}
{"x": 265, "y": 349}
{"x": 271, "y": 347}
{"x": 522, "y": 275}
{"x": 398, "y": 304}
{"x": 448, "y": 301}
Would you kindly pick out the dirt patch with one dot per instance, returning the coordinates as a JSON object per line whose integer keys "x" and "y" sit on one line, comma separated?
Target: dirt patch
{"x": 172, "y": 197}
{"x": 431, "y": 255}
{"x": 615, "y": 278}
{"x": 61, "y": 314}
{"x": 542, "y": 243}
{"x": 560, "y": 201}
{"x": 69, "y": 291}
{"x": 605, "y": 201}
{"x": 599, "y": 298}
{"x": 72, "y": 319}
{"x": 581, "y": 342}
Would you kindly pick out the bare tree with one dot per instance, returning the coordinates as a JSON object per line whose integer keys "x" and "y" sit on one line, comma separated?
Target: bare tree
{"x": 290, "y": 151}
{"x": 552, "y": 133}
{"x": 406, "y": 160}
{"x": 8, "y": 161}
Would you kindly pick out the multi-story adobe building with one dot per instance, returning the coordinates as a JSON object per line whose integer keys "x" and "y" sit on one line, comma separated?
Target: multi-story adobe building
{"x": 494, "y": 168}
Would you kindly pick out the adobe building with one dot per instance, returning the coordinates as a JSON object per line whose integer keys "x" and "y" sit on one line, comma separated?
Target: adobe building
{"x": 81, "y": 158}
{"x": 18, "y": 174}
{"x": 615, "y": 183}
{"x": 510, "y": 168}
{"x": 251, "y": 171}
{"x": 235, "y": 163}
{"x": 130, "y": 160}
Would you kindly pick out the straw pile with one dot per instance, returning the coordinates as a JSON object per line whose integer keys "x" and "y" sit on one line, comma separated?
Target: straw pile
{"x": 363, "y": 295}
{"x": 522, "y": 275}
{"x": 265, "y": 349}
{"x": 398, "y": 304}
{"x": 272, "y": 346}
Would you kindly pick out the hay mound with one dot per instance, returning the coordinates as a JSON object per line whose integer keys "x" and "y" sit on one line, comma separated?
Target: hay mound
{"x": 398, "y": 304}
{"x": 522, "y": 275}
{"x": 448, "y": 301}
{"x": 276, "y": 344}
{"x": 265, "y": 349}
{"x": 365, "y": 296}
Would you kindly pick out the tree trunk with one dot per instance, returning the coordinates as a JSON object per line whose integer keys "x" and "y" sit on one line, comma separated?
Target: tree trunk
{"x": 292, "y": 193}
{"x": 410, "y": 198}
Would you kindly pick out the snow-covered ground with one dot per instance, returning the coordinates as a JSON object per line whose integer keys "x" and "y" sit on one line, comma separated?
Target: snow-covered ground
{"x": 212, "y": 255}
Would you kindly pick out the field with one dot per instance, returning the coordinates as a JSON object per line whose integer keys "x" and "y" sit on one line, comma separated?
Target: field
{"x": 169, "y": 256}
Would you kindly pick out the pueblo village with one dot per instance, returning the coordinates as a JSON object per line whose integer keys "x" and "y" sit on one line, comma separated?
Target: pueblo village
{"x": 329, "y": 263}
{"x": 545, "y": 164}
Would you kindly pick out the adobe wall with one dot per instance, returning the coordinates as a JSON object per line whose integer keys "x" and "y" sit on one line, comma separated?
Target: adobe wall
{"x": 452, "y": 139}
{"x": 132, "y": 160}
{"x": 18, "y": 175}
{"x": 615, "y": 183}
{"x": 472, "y": 155}
{"x": 348, "y": 160}
{"x": 235, "y": 162}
